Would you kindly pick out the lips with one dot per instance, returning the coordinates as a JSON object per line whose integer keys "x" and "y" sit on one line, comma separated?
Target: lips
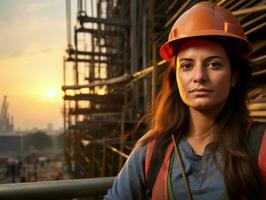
{"x": 200, "y": 90}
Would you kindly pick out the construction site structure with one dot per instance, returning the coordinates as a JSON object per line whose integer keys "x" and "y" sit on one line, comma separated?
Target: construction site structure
{"x": 112, "y": 73}
{"x": 6, "y": 121}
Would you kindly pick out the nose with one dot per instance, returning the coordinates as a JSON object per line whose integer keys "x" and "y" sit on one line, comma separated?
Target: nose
{"x": 199, "y": 73}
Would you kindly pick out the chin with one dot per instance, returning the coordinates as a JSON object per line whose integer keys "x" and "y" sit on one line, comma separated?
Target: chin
{"x": 201, "y": 107}
{"x": 207, "y": 106}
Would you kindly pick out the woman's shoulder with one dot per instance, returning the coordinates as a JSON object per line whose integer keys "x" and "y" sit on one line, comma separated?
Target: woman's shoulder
{"x": 257, "y": 130}
{"x": 139, "y": 152}
{"x": 142, "y": 150}
{"x": 131, "y": 179}
{"x": 257, "y": 137}
{"x": 257, "y": 142}
{"x": 144, "y": 144}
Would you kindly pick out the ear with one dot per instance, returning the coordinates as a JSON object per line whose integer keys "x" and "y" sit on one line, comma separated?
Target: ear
{"x": 234, "y": 78}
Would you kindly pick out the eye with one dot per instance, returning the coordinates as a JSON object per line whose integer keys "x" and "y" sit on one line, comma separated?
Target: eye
{"x": 186, "y": 66}
{"x": 214, "y": 65}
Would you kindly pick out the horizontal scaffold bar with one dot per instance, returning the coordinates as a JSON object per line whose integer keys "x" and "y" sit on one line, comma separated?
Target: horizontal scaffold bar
{"x": 91, "y": 128}
{"x": 96, "y": 31}
{"x": 126, "y": 78}
{"x": 100, "y": 99}
{"x": 259, "y": 73}
{"x": 249, "y": 10}
{"x": 88, "y": 53}
{"x": 113, "y": 22}
{"x": 65, "y": 189}
{"x": 258, "y": 113}
{"x": 116, "y": 61}
{"x": 95, "y": 123}
{"x": 121, "y": 79}
{"x": 257, "y": 106}
{"x": 82, "y": 111}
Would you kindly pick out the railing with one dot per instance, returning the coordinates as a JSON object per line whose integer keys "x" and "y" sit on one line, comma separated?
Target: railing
{"x": 56, "y": 190}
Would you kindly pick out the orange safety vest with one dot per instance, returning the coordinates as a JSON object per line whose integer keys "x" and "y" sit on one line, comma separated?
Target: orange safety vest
{"x": 160, "y": 190}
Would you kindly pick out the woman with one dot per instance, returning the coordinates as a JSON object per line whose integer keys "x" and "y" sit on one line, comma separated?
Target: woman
{"x": 197, "y": 145}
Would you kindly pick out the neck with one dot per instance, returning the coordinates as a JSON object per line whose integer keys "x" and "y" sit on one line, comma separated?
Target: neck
{"x": 201, "y": 125}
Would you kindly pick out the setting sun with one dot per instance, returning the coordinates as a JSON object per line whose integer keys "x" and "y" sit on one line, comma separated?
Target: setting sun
{"x": 52, "y": 94}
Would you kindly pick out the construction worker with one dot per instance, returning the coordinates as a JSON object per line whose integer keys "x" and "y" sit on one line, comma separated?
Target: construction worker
{"x": 201, "y": 140}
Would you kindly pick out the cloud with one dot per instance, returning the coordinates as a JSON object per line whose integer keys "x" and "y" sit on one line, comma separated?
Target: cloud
{"x": 38, "y": 24}
{"x": 39, "y": 5}
{"x": 32, "y": 39}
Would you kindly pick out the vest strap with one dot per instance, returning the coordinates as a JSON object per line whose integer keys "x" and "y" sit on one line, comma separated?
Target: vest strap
{"x": 158, "y": 173}
{"x": 160, "y": 186}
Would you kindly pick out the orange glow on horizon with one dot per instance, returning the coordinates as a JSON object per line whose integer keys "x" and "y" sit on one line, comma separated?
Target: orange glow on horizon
{"x": 31, "y": 62}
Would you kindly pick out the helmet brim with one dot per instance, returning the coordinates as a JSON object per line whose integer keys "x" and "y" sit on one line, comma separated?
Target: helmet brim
{"x": 168, "y": 49}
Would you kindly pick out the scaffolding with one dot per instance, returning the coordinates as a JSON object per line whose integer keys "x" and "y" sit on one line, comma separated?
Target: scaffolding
{"x": 112, "y": 74}
{"x": 6, "y": 121}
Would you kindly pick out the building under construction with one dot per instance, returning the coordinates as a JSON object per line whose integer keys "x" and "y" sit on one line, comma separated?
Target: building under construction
{"x": 112, "y": 73}
{"x": 6, "y": 121}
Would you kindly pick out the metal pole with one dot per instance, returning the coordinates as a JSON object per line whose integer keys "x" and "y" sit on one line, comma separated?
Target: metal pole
{"x": 249, "y": 10}
{"x": 68, "y": 19}
{"x": 134, "y": 50}
{"x": 174, "y": 17}
{"x": 154, "y": 73}
{"x": 122, "y": 135}
{"x": 256, "y": 28}
{"x": 103, "y": 159}
{"x": 76, "y": 80}
{"x": 69, "y": 140}
{"x": 144, "y": 56}
{"x": 55, "y": 190}
{"x": 65, "y": 136}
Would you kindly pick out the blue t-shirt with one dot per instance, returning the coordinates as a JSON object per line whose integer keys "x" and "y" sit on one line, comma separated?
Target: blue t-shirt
{"x": 205, "y": 179}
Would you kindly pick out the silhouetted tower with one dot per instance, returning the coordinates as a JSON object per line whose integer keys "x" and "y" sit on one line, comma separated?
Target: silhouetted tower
{"x": 6, "y": 122}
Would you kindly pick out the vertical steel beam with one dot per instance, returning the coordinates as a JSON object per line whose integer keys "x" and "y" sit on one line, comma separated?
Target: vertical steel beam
{"x": 103, "y": 158}
{"x": 154, "y": 73}
{"x": 144, "y": 56}
{"x": 134, "y": 52}
{"x": 79, "y": 6}
{"x": 76, "y": 82}
{"x": 133, "y": 35}
{"x": 68, "y": 20}
{"x": 122, "y": 135}
{"x": 65, "y": 135}
{"x": 69, "y": 141}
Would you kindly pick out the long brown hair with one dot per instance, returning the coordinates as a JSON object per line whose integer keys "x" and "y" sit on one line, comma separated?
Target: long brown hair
{"x": 239, "y": 167}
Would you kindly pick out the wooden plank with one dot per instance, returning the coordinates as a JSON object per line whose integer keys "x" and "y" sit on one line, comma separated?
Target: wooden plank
{"x": 117, "y": 61}
{"x": 84, "y": 111}
{"x": 258, "y": 113}
{"x": 112, "y": 22}
{"x": 98, "y": 99}
{"x": 91, "y": 53}
{"x": 257, "y": 106}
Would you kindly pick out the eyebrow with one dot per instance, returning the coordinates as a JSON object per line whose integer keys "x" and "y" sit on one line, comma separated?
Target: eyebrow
{"x": 208, "y": 58}
{"x": 213, "y": 57}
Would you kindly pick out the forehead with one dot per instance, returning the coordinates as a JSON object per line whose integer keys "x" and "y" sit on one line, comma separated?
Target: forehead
{"x": 201, "y": 46}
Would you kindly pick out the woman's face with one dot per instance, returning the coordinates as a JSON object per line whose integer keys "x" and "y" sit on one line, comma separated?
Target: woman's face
{"x": 203, "y": 74}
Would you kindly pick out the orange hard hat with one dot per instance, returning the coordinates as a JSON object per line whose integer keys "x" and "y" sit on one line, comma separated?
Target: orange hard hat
{"x": 205, "y": 19}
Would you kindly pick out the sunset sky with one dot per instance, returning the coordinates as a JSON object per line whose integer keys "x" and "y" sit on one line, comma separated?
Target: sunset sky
{"x": 32, "y": 45}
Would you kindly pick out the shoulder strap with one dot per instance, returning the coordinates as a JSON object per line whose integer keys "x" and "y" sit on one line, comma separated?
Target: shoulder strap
{"x": 151, "y": 167}
{"x": 157, "y": 169}
{"x": 149, "y": 151}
